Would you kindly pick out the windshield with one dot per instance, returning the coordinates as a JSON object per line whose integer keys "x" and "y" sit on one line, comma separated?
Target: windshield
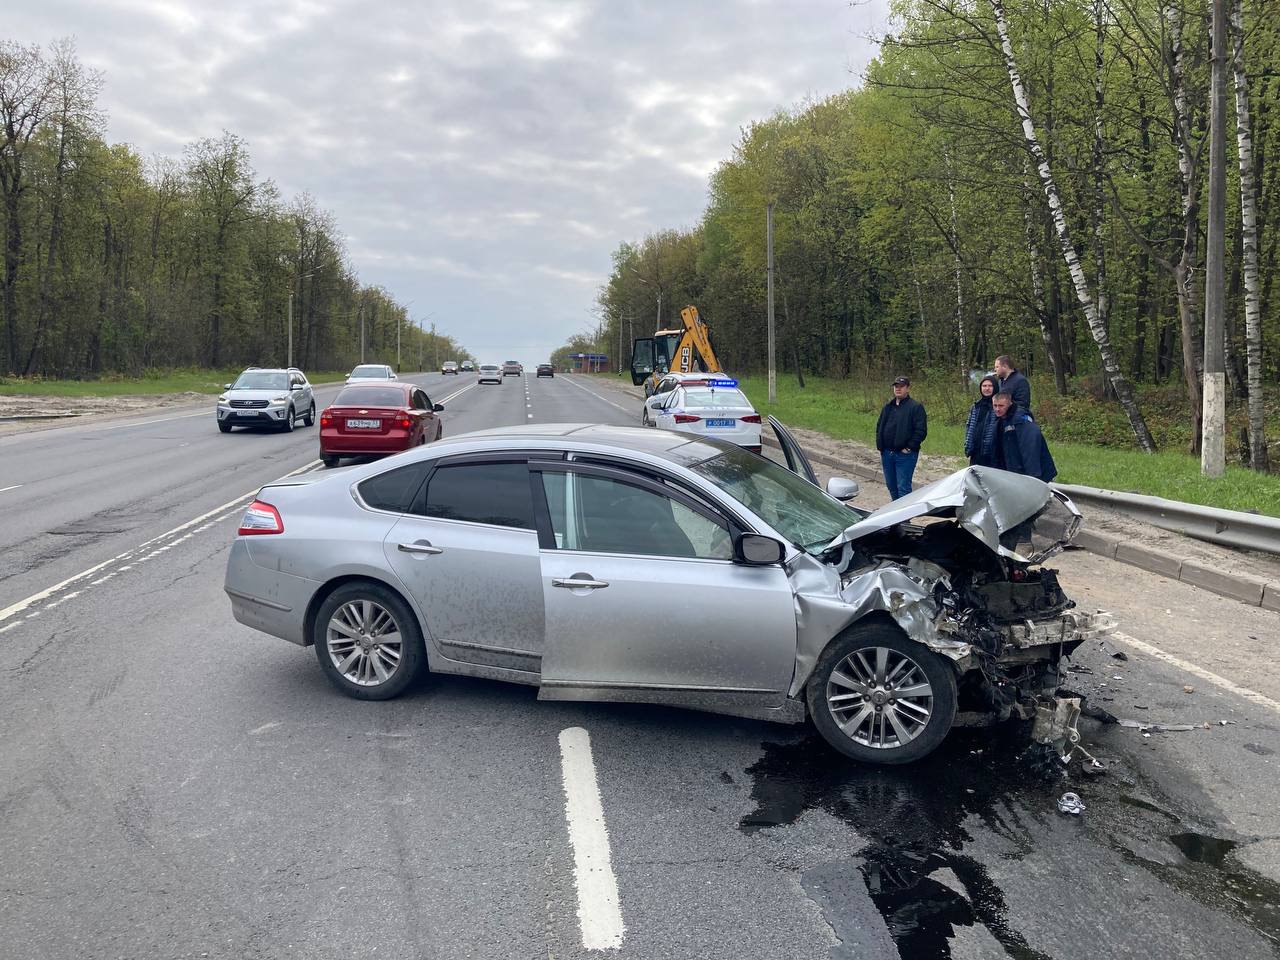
{"x": 791, "y": 505}
{"x": 369, "y": 371}
{"x": 259, "y": 380}
{"x": 705, "y": 397}
{"x": 370, "y": 397}
{"x": 488, "y": 366}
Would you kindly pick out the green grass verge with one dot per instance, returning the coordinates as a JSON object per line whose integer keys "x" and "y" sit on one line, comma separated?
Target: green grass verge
{"x": 171, "y": 381}
{"x": 847, "y": 411}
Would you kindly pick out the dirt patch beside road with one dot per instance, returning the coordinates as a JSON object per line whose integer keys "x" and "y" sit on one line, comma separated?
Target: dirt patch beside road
{"x": 22, "y": 413}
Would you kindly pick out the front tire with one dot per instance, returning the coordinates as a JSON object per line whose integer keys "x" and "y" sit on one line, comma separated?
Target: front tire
{"x": 879, "y": 697}
{"x": 368, "y": 641}
{"x": 224, "y": 427}
{"x": 287, "y": 425}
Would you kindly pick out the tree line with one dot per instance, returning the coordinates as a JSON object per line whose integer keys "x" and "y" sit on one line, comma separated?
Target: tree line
{"x": 1013, "y": 176}
{"x": 118, "y": 264}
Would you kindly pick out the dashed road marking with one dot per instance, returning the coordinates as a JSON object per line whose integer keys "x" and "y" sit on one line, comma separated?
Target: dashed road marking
{"x": 14, "y": 487}
{"x": 1196, "y": 671}
{"x": 135, "y": 555}
{"x": 599, "y": 914}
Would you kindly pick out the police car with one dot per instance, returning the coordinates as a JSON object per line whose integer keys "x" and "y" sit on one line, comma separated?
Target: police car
{"x": 711, "y": 407}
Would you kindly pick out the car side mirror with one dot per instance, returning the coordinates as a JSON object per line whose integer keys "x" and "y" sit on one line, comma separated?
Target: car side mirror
{"x": 756, "y": 550}
{"x": 226, "y": 386}
{"x": 842, "y": 489}
{"x": 437, "y": 408}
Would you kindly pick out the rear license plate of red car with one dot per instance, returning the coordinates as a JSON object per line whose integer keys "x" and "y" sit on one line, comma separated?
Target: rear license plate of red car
{"x": 364, "y": 424}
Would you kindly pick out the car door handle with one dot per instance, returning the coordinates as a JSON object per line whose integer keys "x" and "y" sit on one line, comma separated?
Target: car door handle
{"x": 421, "y": 546}
{"x": 574, "y": 583}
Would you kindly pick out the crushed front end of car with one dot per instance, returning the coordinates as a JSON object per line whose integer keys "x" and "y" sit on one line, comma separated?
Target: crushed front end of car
{"x": 955, "y": 566}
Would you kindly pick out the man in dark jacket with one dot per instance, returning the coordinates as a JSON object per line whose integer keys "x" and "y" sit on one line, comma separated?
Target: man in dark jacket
{"x": 900, "y": 430}
{"x": 1020, "y": 444}
{"x": 1014, "y": 384}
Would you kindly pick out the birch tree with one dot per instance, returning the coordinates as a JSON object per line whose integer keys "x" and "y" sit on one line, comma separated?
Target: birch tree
{"x": 1088, "y": 301}
{"x": 1249, "y": 232}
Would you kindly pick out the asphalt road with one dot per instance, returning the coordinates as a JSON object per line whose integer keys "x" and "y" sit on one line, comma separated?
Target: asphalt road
{"x": 173, "y": 784}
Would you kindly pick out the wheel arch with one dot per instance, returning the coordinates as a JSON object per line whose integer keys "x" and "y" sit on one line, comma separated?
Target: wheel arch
{"x": 325, "y": 592}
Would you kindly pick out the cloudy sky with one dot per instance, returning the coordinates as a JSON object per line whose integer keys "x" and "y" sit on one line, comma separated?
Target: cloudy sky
{"x": 483, "y": 157}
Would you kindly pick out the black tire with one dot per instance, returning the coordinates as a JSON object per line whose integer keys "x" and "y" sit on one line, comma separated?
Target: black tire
{"x": 412, "y": 655}
{"x": 287, "y": 424}
{"x": 224, "y": 427}
{"x": 926, "y": 732}
{"x": 310, "y": 419}
{"x": 329, "y": 461}
{"x": 644, "y": 416}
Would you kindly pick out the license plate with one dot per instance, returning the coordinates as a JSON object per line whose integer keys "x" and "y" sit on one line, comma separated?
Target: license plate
{"x": 363, "y": 424}
{"x": 721, "y": 422}
{"x": 246, "y": 413}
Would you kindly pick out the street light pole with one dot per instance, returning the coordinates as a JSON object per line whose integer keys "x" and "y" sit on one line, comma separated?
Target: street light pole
{"x": 360, "y": 313}
{"x": 290, "y": 354}
{"x": 773, "y": 371}
{"x": 1213, "y": 417}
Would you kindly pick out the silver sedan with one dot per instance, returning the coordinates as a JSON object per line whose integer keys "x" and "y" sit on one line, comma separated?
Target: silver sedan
{"x": 623, "y": 564}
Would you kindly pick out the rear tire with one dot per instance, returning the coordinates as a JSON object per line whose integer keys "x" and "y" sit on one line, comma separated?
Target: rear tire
{"x": 864, "y": 712}
{"x": 368, "y": 641}
{"x": 328, "y": 461}
{"x": 224, "y": 427}
{"x": 310, "y": 419}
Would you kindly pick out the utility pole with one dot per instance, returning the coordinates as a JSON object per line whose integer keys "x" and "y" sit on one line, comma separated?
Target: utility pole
{"x": 1213, "y": 439}
{"x": 360, "y": 312}
{"x": 289, "y": 363}
{"x": 399, "y": 324}
{"x": 773, "y": 371}
{"x": 435, "y": 348}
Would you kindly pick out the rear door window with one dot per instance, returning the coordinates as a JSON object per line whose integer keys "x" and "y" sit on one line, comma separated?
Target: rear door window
{"x": 394, "y": 490}
{"x": 497, "y": 494}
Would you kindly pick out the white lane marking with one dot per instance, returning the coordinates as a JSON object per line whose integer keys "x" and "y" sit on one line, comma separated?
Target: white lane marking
{"x": 597, "y": 396}
{"x": 14, "y": 487}
{"x": 1244, "y": 692}
{"x": 599, "y": 915}
{"x": 264, "y": 728}
{"x": 21, "y": 605}
{"x": 456, "y": 392}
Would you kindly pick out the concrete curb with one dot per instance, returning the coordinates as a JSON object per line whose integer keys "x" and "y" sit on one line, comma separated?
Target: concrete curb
{"x": 1254, "y": 591}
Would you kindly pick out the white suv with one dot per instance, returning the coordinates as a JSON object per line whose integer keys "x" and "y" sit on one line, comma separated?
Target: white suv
{"x": 261, "y": 396}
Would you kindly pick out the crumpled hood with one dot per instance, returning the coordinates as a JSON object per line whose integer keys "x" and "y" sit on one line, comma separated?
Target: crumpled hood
{"x": 1015, "y": 516}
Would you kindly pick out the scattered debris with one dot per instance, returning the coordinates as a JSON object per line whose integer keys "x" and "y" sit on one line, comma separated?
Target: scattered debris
{"x": 1111, "y": 650}
{"x": 1072, "y": 804}
{"x": 1188, "y": 688}
{"x": 1157, "y": 727}
{"x": 1223, "y": 723}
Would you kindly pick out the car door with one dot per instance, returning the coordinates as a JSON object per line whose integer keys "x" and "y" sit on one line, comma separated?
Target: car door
{"x": 664, "y": 414}
{"x": 792, "y": 453}
{"x": 644, "y": 601}
{"x": 298, "y": 392}
{"x": 468, "y": 552}
{"x": 430, "y": 422}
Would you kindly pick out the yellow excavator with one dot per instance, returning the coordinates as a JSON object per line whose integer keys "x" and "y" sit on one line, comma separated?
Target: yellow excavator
{"x": 680, "y": 351}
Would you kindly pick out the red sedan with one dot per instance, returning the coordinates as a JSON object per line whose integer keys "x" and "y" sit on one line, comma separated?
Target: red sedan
{"x": 377, "y": 418}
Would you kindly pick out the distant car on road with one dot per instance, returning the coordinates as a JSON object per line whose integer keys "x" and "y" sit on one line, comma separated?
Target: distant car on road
{"x": 490, "y": 373}
{"x": 546, "y": 370}
{"x": 468, "y": 366}
{"x": 276, "y": 397}
{"x": 512, "y": 368}
{"x": 449, "y": 366}
{"x": 374, "y": 418}
{"x": 371, "y": 371}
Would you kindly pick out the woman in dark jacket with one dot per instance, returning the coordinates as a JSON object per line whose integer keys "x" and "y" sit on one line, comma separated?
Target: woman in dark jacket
{"x": 980, "y": 431}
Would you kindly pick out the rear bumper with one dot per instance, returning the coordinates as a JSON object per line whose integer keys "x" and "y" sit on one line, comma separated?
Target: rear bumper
{"x": 336, "y": 444}
{"x": 490, "y": 380}
{"x": 265, "y": 599}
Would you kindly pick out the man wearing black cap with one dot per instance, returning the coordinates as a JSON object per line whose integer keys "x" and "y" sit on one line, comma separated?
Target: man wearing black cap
{"x": 900, "y": 430}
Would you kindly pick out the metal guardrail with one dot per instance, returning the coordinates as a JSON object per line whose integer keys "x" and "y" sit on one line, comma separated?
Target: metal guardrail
{"x": 1231, "y": 528}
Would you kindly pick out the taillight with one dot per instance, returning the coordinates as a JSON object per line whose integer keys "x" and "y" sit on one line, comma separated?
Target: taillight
{"x": 750, "y": 418}
{"x": 260, "y": 518}
{"x": 686, "y": 418}
{"x": 326, "y": 419}
{"x": 404, "y": 423}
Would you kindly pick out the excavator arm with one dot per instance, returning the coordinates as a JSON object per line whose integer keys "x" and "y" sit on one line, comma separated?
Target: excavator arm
{"x": 685, "y": 351}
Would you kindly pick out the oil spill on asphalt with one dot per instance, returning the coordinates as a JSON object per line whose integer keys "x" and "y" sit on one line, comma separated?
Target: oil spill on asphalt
{"x": 916, "y": 821}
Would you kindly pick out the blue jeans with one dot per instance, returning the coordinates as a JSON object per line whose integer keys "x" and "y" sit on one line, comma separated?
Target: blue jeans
{"x": 898, "y": 469}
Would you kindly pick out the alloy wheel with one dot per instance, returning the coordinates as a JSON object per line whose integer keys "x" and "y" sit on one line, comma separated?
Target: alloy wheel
{"x": 879, "y": 698}
{"x": 364, "y": 642}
